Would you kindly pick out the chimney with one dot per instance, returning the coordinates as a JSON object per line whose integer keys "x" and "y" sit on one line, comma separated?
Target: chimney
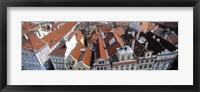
{"x": 25, "y": 36}
{"x": 154, "y": 37}
{"x": 166, "y": 36}
{"x": 102, "y": 35}
{"x": 37, "y": 34}
{"x": 146, "y": 44}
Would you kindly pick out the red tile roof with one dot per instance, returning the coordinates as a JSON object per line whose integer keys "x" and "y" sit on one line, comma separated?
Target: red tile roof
{"x": 78, "y": 35}
{"x": 105, "y": 28}
{"x": 59, "y": 51}
{"x": 118, "y": 31}
{"x": 52, "y": 38}
{"x": 118, "y": 43}
{"x": 147, "y": 26}
{"x": 55, "y": 25}
{"x": 76, "y": 52}
{"x": 93, "y": 39}
{"x": 87, "y": 57}
{"x": 66, "y": 28}
{"x": 26, "y": 26}
{"x": 100, "y": 50}
{"x": 33, "y": 43}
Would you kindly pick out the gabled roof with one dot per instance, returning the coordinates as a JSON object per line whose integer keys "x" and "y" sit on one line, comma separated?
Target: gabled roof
{"x": 147, "y": 26}
{"x": 166, "y": 44}
{"x": 158, "y": 46}
{"x": 139, "y": 49}
{"x": 27, "y": 26}
{"x": 128, "y": 38}
{"x": 52, "y": 38}
{"x": 87, "y": 56}
{"x": 171, "y": 36}
{"x": 33, "y": 43}
{"x": 59, "y": 51}
{"x": 66, "y": 28}
{"x": 119, "y": 31}
{"x": 93, "y": 38}
{"x": 78, "y": 35}
{"x": 100, "y": 49}
{"x": 105, "y": 28}
{"x": 76, "y": 52}
{"x": 117, "y": 42}
{"x": 55, "y": 25}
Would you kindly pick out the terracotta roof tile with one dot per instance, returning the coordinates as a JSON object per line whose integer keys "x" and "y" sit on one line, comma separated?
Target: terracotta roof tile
{"x": 106, "y": 28}
{"x": 118, "y": 31}
{"x": 55, "y": 25}
{"x": 66, "y": 28}
{"x": 100, "y": 50}
{"x": 52, "y": 38}
{"x": 93, "y": 39}
{"x": 78, "y": 35}
{"x": 27, "y": 26}
{"x": 33, "y": 43}
{"x": 76, "y": 52}
{"x": 147, "y": 26}
{"x": 87, "y": 57}
{"x": 116, "y": 44}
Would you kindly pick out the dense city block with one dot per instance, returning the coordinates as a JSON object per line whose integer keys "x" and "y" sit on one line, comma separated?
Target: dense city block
{"x": 99, "y": 45}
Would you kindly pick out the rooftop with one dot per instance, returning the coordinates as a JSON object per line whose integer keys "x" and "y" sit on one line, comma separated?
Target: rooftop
{"x": 59, "y": 51}
{"x": 87, "y": 56}
{"x": 76, "y": 52}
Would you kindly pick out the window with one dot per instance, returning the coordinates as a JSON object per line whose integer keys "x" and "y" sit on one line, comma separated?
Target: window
{"x": 140, "y": 67}
{"x": 132, "y": 68}
{"x": 101, "y": 68}
{"x": 97, "y": 68}
{"x": 83, "y": 68}
{"x": 150, "y": 66}
{"x": 70, "y": 68}
{"x": 43, "y": 58}
{"x": 145, "y": 66}
{"x": 147, "y": 54}
{"x": 112, "y": 41}
{"x": 99, "y": 62}
{"x": 104, "y": 68}
{"x": 79, "y": 68}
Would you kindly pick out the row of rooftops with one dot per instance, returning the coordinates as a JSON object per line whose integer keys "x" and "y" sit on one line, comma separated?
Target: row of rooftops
{"x": 115, "y": 37}
{"x": 32, "y": 43}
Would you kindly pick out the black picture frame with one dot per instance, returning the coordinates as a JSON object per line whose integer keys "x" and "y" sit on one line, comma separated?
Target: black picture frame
{"x": 100, "y": 3}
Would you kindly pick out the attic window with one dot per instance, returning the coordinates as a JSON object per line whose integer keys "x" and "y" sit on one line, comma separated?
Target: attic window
{"x": 51, "y": 41}
{"x": 112, "y": 41}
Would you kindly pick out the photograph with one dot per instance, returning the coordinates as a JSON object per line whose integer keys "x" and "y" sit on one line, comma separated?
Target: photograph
{"x": 99, "y": 45}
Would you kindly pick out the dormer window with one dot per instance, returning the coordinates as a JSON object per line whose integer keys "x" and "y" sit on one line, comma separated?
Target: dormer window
{"x": 112, "y": 41}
